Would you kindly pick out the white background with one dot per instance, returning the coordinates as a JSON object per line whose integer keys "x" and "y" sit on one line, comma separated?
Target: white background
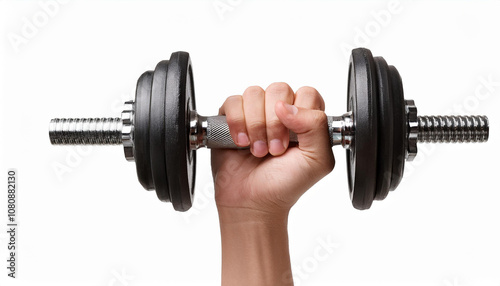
{"x": 94, "y": 224}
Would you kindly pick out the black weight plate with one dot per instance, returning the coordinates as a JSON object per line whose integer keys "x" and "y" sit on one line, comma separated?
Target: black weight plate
{"x": 362, "y": 101}
{"x": 157, "y": 131}
{"x": 399, "y": 146}
{"x": 181, "y": 161}
{"x": 385, "y": 130}
{"x": 141, "y": 130}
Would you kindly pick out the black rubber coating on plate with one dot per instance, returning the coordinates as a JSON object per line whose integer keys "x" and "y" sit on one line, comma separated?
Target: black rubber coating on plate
{"x": 157, "y": 131}
{"x": 141, "y": 130}
{"x": 385, "y": 130}
{"x": 362, "y": 101}
{"x": 181, "y": 161}
{"x": 399, "y": 146}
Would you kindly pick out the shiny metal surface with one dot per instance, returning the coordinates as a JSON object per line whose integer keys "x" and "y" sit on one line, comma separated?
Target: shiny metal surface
{"x": 216, "y": 133}
{"x": 213, "y": 131}
{"x": 411, "y": 129}
{"x": 341, "y": 130}
{"x": 128, "y": 130}
{"x": 451, "y": 129}
{"x": 85, "y": 131}
{"x": 197, "y": 130}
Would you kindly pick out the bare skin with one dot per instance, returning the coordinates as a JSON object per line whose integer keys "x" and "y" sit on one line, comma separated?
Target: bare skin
{"x": 255, "y": 189}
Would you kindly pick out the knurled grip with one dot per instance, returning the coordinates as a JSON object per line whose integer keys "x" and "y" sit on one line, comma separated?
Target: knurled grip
{"x": 218, "y": 135}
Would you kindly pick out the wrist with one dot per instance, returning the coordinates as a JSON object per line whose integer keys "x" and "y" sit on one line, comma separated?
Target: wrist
{"x": 254, "y": 247}
{"x": 249, "y": 216}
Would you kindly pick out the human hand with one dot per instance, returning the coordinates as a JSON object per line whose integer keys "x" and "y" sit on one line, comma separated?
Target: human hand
{"x": 271, "y": 176}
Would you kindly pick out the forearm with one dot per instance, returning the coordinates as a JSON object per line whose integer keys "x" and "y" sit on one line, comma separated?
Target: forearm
{"x": 254, "y": 248}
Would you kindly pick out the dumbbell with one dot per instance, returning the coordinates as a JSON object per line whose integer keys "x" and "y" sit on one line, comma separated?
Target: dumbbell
{"x": 160, "y": 130}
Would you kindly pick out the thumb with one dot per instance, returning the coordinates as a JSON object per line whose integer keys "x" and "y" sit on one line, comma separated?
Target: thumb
{"x": 311, "y": 127}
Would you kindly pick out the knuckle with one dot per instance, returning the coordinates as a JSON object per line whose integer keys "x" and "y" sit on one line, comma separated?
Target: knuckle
{"x": 253, "y": 91}
{"x": 278, "y": 88}
{"x": 308, "y": 90}
{"x": 313, "y": 96}
{"x": 228, "y": 107}
{"x": 233, "y": 98}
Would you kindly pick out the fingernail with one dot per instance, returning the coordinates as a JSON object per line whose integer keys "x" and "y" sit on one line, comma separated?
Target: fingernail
{"x": 259, "y": 148}
{"x": 276, "y": 147}
{"x": 292, "y": 109}
{"x": 243, "y": 139}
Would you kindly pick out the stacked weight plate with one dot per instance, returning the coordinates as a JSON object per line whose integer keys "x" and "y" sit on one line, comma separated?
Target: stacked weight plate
{"x": 164, "y": 161}
{"x": 375, "y": 160}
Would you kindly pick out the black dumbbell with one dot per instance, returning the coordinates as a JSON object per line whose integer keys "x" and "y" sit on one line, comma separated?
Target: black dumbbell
{"x": 161, "y": 130}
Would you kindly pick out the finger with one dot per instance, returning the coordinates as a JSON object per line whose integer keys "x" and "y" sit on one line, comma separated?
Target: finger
{"x": 309, "y": 97}
{"x": 277, "y": 134}
{"x": 233, "y": 109}
{"x": 312, "y": 133}
{"x": 255, "y": 119}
